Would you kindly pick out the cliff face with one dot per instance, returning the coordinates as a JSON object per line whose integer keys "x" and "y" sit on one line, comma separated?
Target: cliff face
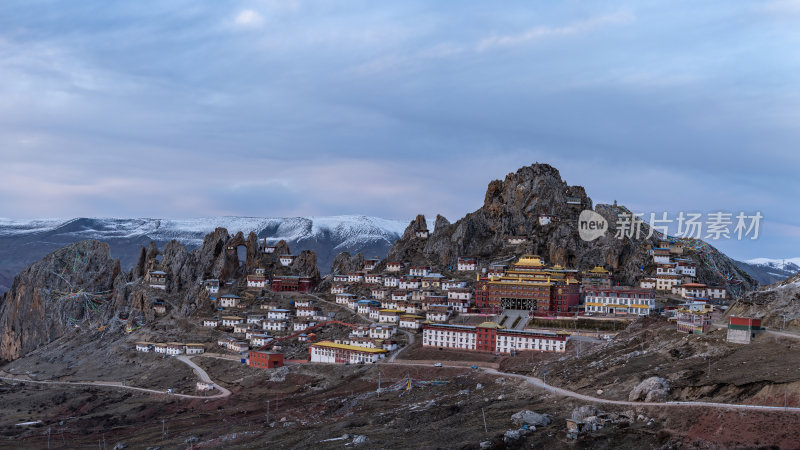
{"x": 80, "y": 287}
{"x": 535, "y": 202}
{"x": 67, "y": 286}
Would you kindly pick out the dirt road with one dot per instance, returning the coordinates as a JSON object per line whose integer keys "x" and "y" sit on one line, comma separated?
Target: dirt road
{"x": 223, "y": 393}
{"x": 539, "y": 383}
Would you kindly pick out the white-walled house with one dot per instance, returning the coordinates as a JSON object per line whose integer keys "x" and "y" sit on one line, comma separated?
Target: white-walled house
{"x": 344, "y": 299}
{"x": 355, "y": 277}
{"x": 229, "y": 321}
{"x": 419, "y": 271}
{"x": 390, "y": 281}
{"x": 378, "y": 293}
{"x": 278, "y": 314}
{"x": 211, "y": 285}
{"x": 467, "y": 264}
{"x": 394, "y": 266}
{"x": 276, "y": 325}
{"x": 229, "y": 301}
{"x": 286, "y": 260}
{"x": 210, "y": 323}
{"x": 338, "y": 289}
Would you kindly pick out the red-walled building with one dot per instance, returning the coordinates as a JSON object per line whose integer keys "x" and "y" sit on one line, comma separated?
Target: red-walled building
{"x": 528, "y": 286}
{"x": 265, "y": 360}
{"x": 292, "y": 284}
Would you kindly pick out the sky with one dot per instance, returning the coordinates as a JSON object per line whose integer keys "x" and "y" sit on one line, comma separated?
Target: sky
{"x": 290, "y": 107}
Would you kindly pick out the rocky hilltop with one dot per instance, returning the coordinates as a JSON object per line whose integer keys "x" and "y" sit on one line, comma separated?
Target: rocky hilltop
{"x": 777, "y": 305}
{"x": 81, "y": 286}
{"x": 535, "y": 203}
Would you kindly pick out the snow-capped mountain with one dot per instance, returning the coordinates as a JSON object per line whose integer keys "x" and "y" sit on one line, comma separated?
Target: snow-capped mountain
{"x": 23, "y": 242}
{"x": 769, "y": 271}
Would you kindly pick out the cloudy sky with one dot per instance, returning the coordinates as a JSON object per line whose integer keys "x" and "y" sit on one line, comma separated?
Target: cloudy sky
{"x": 279, "y": 108}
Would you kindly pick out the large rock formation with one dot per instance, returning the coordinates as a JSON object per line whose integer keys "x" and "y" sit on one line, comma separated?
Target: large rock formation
{"x": 535, "y": 202}
{"x": 82, "y": 287}
{"x": 45, "y": 300}
{"x": 345, "y": 263}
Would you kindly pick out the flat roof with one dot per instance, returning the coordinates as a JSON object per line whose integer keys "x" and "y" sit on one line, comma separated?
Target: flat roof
{"x": 349, "y": 347}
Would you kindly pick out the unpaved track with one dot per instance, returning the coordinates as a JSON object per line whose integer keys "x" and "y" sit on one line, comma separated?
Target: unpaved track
{"x": 539, "y": 383}
{"x": 223, "y": 393}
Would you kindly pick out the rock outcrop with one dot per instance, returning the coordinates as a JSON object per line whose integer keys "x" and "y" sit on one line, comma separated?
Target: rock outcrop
{"x": 48, "y": 297}
{"x": 653, "y": 389}
{"x": 536, "y": 203}
{"x": 81, "y": 287}
{"x": 530, "y": 418}
{"x": 345, "y": 263}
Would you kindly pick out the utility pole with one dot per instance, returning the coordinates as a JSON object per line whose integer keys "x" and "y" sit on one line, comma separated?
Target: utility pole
{"x": 267, "y": 411}
{"x": 708, "y": 373}
{"x": 485, "y": 429}
{"x": 48, "y": 437}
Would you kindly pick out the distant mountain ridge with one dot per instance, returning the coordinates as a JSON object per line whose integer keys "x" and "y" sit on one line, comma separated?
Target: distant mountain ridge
{"x": 23, "y": 242}
{"x": 768, "y": 271}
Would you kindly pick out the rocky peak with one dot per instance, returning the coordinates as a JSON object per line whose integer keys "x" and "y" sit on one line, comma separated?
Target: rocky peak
{"x": 49, "y": 297}
{"x": 345, "y": 263}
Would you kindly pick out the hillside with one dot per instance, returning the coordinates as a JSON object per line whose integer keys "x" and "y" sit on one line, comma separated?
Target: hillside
{"x": 23, "y": 242}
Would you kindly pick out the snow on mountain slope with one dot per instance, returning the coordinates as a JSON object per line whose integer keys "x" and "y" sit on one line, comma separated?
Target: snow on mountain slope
{"x": 25, "y": 241}
{"x": 776, "y": 263}
{"x": 768, "y": 270}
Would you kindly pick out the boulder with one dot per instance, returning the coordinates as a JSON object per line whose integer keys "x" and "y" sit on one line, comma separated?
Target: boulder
{"x": 511, "y": 436}
{"x": 653, "y": 389}
{"x": 582, "y": 412}
{"x": 528, "y": 417}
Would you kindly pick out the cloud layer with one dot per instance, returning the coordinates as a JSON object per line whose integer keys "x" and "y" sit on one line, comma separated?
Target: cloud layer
{"x": 315, "y": 107}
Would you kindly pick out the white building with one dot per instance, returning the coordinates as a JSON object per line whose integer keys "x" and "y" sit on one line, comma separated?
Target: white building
{"x": 381, "y": 331}
{"x": 419, "y": 271}
{"x": 453, "y": 284}
{"x": 211, "y": 285}
{"x": 467, "y": 264}
{"x": 278, "y": 314}
{"x": 260, "y": 340}
{"x": 411, "y": 322}
{"x": 286, "y": 260}
{"x": 303, "y": 325}
{"x": 666, "y": 282}
{"x": 144, "y": 347}
{"x": 409, "y": 283}
{"x": 394, "y": 266}
{"x": 389, "y": 315}
{"x": 229, "y": 301}
{"x": 717, "y": 292}
{"x": 329, "y": 352}
{"x": 255, "y": 318}
{"x": 276, "y": 325}
{"x": 211, "y": 323}
{"x": 437, "y": 313}
{"x": 307, "y": 311}
{"x": 399, "y": 296}
{"x": 337, "y": 289}
{"x": 355, "y": 277}
{"x": 259, "y": 280}
{"x": 660, "y": 255}
{"x": 378, "y": 294}
{"x": 619, "y": 300}
{"x": 390, "y": 281}
{"x": 343, "y": 299}
{"x": 373, "y": 279}
{"x": 229, "y": 321}
{"x": 174, "y": 348}
{"x": 648, "y": 283}
{"x": 195, "y": 349}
